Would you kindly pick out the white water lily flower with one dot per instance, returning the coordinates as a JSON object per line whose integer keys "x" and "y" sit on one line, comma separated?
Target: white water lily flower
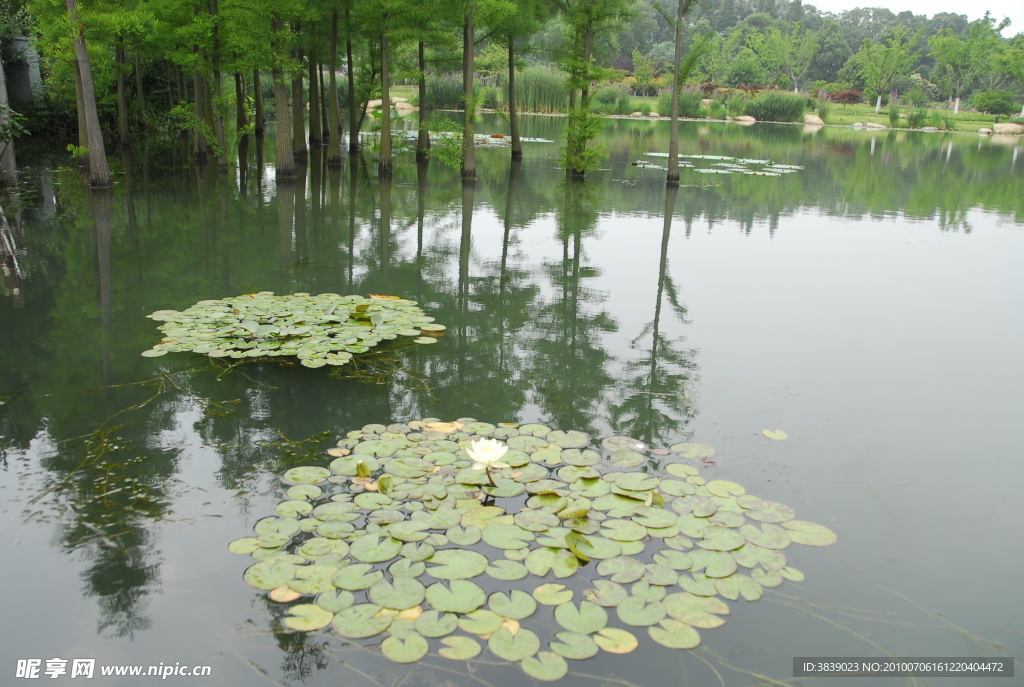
{"x": 487, "y": 453}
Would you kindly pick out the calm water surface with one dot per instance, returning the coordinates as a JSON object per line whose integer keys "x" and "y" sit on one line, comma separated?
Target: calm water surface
{"x": 868, "y": 304}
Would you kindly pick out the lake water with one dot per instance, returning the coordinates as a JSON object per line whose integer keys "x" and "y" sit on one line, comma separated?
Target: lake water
{"x": 866, "y": 300}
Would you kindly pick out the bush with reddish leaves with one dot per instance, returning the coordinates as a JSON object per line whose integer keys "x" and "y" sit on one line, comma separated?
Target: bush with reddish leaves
{"x": 850, "y": 96}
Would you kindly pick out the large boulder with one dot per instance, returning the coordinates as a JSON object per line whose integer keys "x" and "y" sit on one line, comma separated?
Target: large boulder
{"x": 746, "y": 120}
{"x": 1008, "y": 128}
{"x": 811, "y": 118}
{"x": 875, "y": 125}
{"x": 985, "y": 131}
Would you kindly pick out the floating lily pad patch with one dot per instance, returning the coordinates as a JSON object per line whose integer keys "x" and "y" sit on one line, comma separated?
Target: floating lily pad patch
{"x": 396, "y": 536}
{"x": 327, "y": 329}
{"x": 722, "y": 164}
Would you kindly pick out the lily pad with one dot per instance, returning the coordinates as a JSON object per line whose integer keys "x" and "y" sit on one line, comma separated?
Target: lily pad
{"x": 674, "y": 634}
{"x": 435, "y": 623}
{"x": 606, "y": 593}
{"x": 616, "y": 641}
{"x": 635, "y": 610}
{"x": 552, "y": 594}
{"x": 461, "y": 596}
{"x": 574, "y": 645}
{"x": 517, "y": 604}
{"x": 456, "y": 564}
{"x": 269, "y": 575}
{"x": 406, "y": 650}
{"x": 693, "y": 451}
{"x": 698, "y": 611}
{"x": 810, "y": 533}
{"x": 307, "y": 617}
{"x": 402, "y": 593}
{"x": 460, "y": 648}
{"x": 480, "y": 622}
{"x": 507, "y": 570}
{"x": 507, "y": 536}
{"x": 558, "y": 561}
{"x": 546, "y": 665}
{"x": 776, "y": 434}
{"x": 373, "y": 548}
{"x": 570, "y": 439}
{"x": 585, "y": 619}
{"x": 360, "y": 621}
{"x": 513, "y": 648}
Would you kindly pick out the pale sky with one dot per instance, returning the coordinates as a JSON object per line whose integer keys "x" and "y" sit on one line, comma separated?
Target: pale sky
{"x": 1014, "y": 9}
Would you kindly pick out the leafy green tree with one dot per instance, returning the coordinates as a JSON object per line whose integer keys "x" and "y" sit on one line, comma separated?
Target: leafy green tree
{"x": 880, "y": 65}
{"x": 832, "y": 54}
{"x": 784, "y": 54}
{"x": 963, "y": 59}
{"x": 995, "y": 102}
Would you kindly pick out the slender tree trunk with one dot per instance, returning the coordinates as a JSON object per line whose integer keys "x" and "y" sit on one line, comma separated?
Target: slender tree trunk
{"x": 878, "y": 105}
{"x": 384, "y": 158}
{"x": 215, "y": 102}
{"x": 139, "y": 94}
{"x": 334, "y": 111}
{"x": 260, "y": 114}
{"x": 353, "y": 114}
{"x": 468, "y": 147}
{"x": 123, "y": 132}
{"x": 285, "y": 166}
{"x": 179, "y": 79}
{"x": 513, "y": 115}
{"x": 83, "y": 128}
{"x": 99, "y": 172}
{"x": 241, "y": 118}
{"x": 423, "y": 139}
{"x": 208, "y": 116}
{"x": 325, "y": 125}
{"x": 315, "y": 128}
{"x": 298, "y": 109}
{"x": 8, "y": 163}
{"x": 199, "y": 144}
{"x": 672, "y": 178}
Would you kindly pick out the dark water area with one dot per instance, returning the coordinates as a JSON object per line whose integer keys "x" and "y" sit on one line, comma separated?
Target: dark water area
{"x": 867, "y": 300}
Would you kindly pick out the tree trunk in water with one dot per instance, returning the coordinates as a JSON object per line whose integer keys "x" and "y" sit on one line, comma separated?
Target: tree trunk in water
{"x": 208, "y": 116}
{"x": 8, "y": 165}
{"x": 672, "y": 178}
{"x": 241, "y": 118}
{"x": 285, "y": 158}
{"x": 513, "y": 116}
{"x": 139, "y": 95}
{"x": 123, "y": 133}
{"x": 353, "y": 115}
{"x": 260, "y": 115}
{"x": 384, "y": 159}
{"x": 218, "y": 115}
{"x": 423, "y": 139}
{"x": 325, "y": 126}
{"x": 334, "y": 111}
{"x": 468, "y": 148}
{"x": 199, "y": 146}
{"x": 99, "y": 172}
{"x": 298, "y": 111}
{"x": 83, "y": 129}
{"x": 315, "y": 128}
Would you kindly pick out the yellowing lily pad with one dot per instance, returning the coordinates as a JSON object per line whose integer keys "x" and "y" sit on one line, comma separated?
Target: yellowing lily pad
{"x": 616, "y": 641}
{"x": 505, "y": 645}
{"x": 460, "y": 648}
{"x": 406, "y": 650}
{"x": 552, "y": 594}
{"x": 307, "y": 617}
{"x": 776, "y": 434}
{"x": 546, "y": 665}
{"x": 810, "y": 533}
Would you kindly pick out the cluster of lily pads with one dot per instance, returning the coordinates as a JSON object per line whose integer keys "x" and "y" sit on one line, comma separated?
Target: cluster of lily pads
{"x": 724, "y": 164}
{"x": 327, "y": 329}
{"x": 661, "y": 548}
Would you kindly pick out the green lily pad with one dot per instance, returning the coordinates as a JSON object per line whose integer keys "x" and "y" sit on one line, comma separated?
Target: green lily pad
{"x": 713, "y": 563}
{"x": 733, "y": 586}
{"x": 516, "y": 605}
{"x": 674, "y": 634}
{"x": 768, "y": 511}
{"x": 456, "y": 564}
{"x": 624, "y": 569}
{"x": 558, "y": 561}
{"x": 507, "y": 570}
{"x": 616, "y": 641}
{"x": 461, "y": 596}
{"x": 606, "y": 593}
{"x": 434, "y": 623}
{"x": 698, "y": 611}
{"x": 282, "y": 526}
{"x": 810, "y": 533}
{"x": 460, "y": 648}
{"x": 509, "y": 647}
{"x": 407, "y": 650}
{"x": 635, "y": 610}
{"x": 402, "y": 593}
{"x": 409, "y": 530}
{"x": 307, "y": 617}
{"x": 313, "y": 579}
{"x": 718, "y": 538}
{"x": 693, "y": 451}
{"x": 373, "y": 548}
{"x": 536, "y": 520}
{"x": 585, "y": 619}
{"x": 570, "y": 439}
{"x": 356, "y": 576}
{"x": 335, "y": 601}
{"x": 416, "y": 551}
{"x": 269, "y": 575}
{"x": 574, "y": 645}
{"x": 619, "y": 443}
{"x": 767, "y": 536}
{"x": 624, "y": 458}
{"x": 304, "y": 492}
{"x": 307, "y": 475}
{"x": 546, "y": 665}
{"x": 552, "y": 594}
{"x": 480, "y": 622}
{"x": 507, "y": 536}
{"x": 244, "y": 545}
{"x": 623, "y": 530}
{"x": 360, "y": 621}
{"x": 677, "y": 560}
{"x": 766, "y": 578}
{"x": 791, "y": 574}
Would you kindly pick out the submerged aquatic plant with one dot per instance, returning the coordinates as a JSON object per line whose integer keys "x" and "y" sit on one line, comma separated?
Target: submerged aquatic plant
{"x": 327, "y": 329}
{"x": 668, "y": 547}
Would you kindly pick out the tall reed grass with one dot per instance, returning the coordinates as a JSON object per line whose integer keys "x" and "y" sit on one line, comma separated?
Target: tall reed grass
{"x": 689, "y": 103}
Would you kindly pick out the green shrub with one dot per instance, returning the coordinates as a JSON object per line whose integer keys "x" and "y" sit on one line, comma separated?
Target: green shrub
{"x": 488, "y": 96}
{"x": 717, "y": 110}
{"x": 942, "y": 120}
{"x": 916, "y": 118}
{"x": 689, "y": 103}
{"x": 541, "y": 89}
{"x": 444, "y": 92}
{"x": 610, "y": 100}
{"x": 735, "y": 105}
{"x": 776, "y": 106}
{"x": 995, "y": 103}
{"x": 824, "y": 108}
{"x": 894, "y": 115}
